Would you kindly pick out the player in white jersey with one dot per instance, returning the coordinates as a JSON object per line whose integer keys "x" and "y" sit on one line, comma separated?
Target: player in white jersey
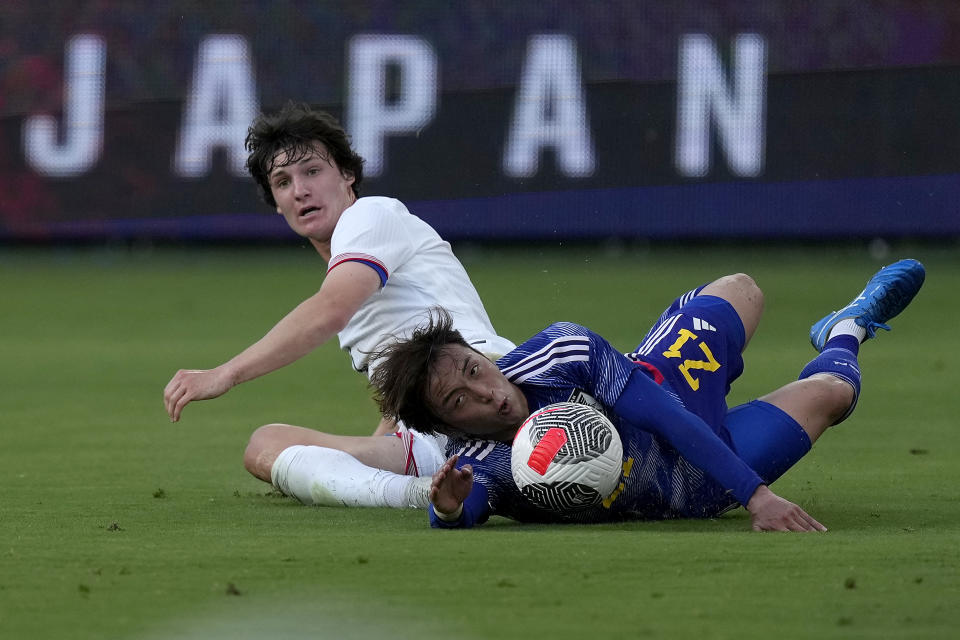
{"x": 420, "y": 270}
{"x": 384, "y": 266}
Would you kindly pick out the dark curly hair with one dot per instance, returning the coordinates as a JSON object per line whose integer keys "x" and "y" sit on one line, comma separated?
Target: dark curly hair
{"x": 402, "y": 376}
{"x": 295, "y": 130}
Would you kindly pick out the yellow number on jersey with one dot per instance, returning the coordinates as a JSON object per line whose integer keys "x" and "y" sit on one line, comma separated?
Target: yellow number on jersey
{"x": 710, "y": 364}
{"x": 627, "y": 466}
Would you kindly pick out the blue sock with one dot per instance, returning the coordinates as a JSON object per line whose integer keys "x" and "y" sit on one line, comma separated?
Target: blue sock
{"x": 839, "y": 359}
{"x": 844, "y": 341}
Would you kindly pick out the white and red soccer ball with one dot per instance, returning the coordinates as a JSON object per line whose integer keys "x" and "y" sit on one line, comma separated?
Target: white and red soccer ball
{"x": 567, "y": 457}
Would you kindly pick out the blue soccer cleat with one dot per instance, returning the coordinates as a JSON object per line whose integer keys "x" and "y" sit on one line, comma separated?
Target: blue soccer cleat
{"x": 887, "y": 293}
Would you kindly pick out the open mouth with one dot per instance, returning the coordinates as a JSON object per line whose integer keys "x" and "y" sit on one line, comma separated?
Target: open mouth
{"x": 504, "y": 407}
{"x": 308, "y": 210}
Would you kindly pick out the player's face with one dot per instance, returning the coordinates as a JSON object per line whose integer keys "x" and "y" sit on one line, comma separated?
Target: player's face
{"x": 468, "y": 393}
{"x": 311, "y": 193}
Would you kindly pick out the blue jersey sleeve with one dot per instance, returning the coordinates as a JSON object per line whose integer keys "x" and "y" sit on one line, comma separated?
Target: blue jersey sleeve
{"x": 645, "y": 405}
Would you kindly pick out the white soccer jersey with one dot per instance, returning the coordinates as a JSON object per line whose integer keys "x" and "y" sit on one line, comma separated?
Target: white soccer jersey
{"x": 417, "y": 271}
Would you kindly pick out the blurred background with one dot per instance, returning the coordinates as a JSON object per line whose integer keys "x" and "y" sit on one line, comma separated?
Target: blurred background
{"x": 588, "y": 161}
{"x": 496, "y": 121}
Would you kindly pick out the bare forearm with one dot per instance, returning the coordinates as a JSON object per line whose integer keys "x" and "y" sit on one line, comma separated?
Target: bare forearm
{"x": 296, "y": 335}
{"x": 313, "y": 322}
{"x": 292, "y": 338}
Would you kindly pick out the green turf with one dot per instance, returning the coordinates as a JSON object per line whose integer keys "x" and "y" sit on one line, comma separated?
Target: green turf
{"x": 115, "y": 523}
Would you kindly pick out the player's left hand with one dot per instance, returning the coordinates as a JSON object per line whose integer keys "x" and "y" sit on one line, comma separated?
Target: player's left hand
{"x": 770, "y": 512}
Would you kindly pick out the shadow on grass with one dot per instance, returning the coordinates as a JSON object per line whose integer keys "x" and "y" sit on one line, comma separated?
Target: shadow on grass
{"x": 837, "y": 519}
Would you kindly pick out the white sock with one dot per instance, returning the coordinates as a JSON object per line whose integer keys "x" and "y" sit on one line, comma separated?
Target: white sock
{"x": 418, "y": 492}
{"x": 322, "y": 476}
{"x": 848, "y": 327}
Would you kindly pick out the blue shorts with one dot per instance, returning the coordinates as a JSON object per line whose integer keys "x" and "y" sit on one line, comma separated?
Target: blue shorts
{"x": 766, "y": 438}
{"x": 695, "y": 351}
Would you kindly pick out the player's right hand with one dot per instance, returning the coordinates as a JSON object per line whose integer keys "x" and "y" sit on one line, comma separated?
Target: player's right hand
{"x": 188, "y": 385}
{"x": 450, "y": 486}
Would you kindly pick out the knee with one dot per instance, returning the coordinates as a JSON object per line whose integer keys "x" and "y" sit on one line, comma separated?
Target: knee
{"x": 262, "y": 450}
{"x": 736, "y": 287}
{"x": 744, "y": 295}
{"x": 745, "y": 289}
{"x": 834, "y": 395}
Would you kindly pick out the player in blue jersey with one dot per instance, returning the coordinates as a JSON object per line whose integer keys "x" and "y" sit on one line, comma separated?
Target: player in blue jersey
{"x": 685, "y": 453}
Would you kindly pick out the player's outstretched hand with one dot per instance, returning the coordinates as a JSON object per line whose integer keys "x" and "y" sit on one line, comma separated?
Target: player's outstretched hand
{"x": 189, "y": 385}
{"x": 770, "y": 512}
{"x": 450, "y": 486}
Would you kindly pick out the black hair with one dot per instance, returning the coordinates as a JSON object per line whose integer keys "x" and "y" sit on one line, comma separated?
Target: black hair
{"x": 401, "y": 378}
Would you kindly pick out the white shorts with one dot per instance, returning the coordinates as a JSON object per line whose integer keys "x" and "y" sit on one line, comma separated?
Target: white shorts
{"x": 425, "y": 453}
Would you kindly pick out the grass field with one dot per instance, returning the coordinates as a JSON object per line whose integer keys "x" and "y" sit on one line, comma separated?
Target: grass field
{"x": 115, "y": 523}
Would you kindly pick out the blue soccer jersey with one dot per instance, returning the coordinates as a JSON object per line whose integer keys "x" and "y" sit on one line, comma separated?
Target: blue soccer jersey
{"x": 667, "y": 401}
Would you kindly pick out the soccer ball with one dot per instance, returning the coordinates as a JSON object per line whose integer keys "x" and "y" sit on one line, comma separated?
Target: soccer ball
{"x": 566, "y": 457}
